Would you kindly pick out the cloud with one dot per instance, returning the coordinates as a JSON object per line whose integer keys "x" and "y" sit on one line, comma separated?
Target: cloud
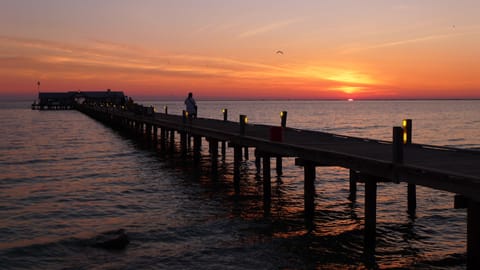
{"x": 453, "y": 33}
{"x": 96, "y": 60}
{"x": 101, "y": 57}
{"x": 268, "y": 28}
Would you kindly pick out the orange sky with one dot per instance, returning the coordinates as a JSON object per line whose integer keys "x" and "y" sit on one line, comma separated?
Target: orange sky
{"x": 229, "y": 49}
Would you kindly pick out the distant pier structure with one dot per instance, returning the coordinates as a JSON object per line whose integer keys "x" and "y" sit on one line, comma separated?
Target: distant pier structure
{"x": 67, "y": 100}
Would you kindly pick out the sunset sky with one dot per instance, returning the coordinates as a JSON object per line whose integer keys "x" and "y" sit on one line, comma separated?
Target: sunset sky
{"x": 306, "y": 49}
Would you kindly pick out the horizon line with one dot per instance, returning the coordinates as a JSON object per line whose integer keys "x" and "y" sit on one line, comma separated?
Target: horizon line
{"x": 24, "y": 99}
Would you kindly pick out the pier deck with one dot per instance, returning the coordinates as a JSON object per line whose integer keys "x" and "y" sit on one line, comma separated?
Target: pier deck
{"x": 369, "y": 161}
{"x": 448, "y": 169}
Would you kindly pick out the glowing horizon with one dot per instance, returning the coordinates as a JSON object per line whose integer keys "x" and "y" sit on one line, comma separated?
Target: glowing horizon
{"x": 217, "y": 50}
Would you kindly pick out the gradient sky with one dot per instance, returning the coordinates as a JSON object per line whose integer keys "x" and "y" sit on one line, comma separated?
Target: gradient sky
{"x": 228, "y": 49}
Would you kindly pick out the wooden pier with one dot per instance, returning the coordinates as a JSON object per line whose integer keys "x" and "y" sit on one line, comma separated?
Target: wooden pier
{"x": 369, "y": 161}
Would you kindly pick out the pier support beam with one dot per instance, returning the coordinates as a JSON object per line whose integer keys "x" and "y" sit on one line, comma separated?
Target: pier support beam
{"x": 473, "y": 235}
{"x": 370, "y": 213}
{"x": 411, "y": 188}
{"x": 279, "y": 166}
{"x": 267, "y": 181}
{"x": 258, "y": 161}
{"x": 183, "y": 143}
{"x": 213, "y": 149}
{"x": 163, "y": 138}
{"x": 412, "y": 199}
{"x": 224, "y": 150}
{"x": 353, "y": 185}
{"x": 197, "y": 147}
{"x": 237, "y": 161}
{"x": 309, "y": 189}
{"x": 155, "y": 134}
{"x": 148, "y": 131}
{"x": 172, "y": 140}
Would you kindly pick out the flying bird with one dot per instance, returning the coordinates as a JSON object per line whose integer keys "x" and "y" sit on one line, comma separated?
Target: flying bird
{"x": 279, "y": 52}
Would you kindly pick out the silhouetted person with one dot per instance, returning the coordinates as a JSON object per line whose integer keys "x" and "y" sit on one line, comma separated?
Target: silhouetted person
{"x": 191, "y": 106}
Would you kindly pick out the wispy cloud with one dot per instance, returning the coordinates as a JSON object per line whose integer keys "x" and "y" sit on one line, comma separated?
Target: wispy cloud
{"x": 103, "y": 60}
{"x": 99, "y": 57}
{"x": 269, "y": 27}
{"x": 453, "y": 33}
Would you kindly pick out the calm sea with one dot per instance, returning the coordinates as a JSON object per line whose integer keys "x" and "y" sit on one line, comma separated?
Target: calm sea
{"x": 65, "y": 179}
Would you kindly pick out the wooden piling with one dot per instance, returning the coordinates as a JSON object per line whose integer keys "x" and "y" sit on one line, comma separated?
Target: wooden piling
{"x": 246, "y": 153}
{"x": 184, "y": 116}
{"x": 224, "y": 144}
{"x": 225, "y": 114}
{"x": 411, "y": 188}
{"x": 172, "y": 139}
{"x": 155, "y": 133}
{"x": 163, "y": 138}
{"x": 224, "y": 150}
{"x": 397, "y": 145}
{"x": 283, "y": 124}
{"x": 473, "y": 235}
{"x": 412, "y": 199}
{"x": 279, "y": 166}
{"x": 370, "y": 213}
{"x": 197, "y": 147}
{"x": 148, "y": 131}
{"x": 407, "y": 131}
{"x": 267, "y": 182}
{"x": 309, "y": 189}
{"x": 283, "y": 117}
{"x": 397, "y": 151}
{"x": 353, "y": 185}
{"x": 183, "y": 143}
{"x": 258, "y": 161}
{"x": 243, "y": 123}
{"x": 213, "y": 149}
{"x": 237, "y": 161}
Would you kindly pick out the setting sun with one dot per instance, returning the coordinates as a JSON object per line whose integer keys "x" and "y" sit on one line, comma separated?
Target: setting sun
{"x": 349, "y": 89}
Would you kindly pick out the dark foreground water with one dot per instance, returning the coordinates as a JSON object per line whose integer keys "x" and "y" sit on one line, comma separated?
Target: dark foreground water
{"x": 65, "y": 178}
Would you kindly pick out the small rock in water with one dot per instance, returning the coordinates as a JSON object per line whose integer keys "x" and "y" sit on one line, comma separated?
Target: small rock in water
{"x": 117, "y": 239}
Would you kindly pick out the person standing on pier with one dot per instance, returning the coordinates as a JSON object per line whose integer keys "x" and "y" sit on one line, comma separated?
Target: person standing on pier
{"x": 191, "y": 106}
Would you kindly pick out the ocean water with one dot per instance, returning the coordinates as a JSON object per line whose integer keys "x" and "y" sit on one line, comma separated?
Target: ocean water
{"x": 66, "y": 178}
